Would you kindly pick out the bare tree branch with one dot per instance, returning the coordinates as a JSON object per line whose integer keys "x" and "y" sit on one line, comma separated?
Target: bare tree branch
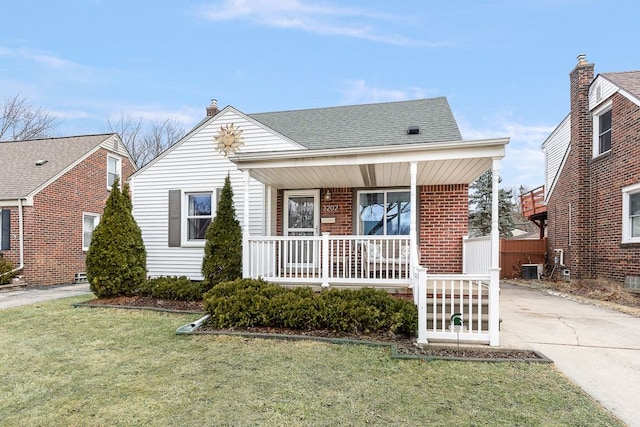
{"x": 145, "y": 145}
{"x": 19, "y": 121}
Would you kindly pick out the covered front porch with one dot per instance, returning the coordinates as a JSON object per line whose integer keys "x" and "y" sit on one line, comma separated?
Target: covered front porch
{"x": 318, "y": 234}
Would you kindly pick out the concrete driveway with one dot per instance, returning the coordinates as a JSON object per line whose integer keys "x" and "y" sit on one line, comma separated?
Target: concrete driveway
{"x": 596, "y": 347}
{"x": 17, "y": 296}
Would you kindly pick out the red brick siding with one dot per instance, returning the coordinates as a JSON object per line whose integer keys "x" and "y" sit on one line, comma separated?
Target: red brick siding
{"x": 53, "y": 225}
{"x": 569, "y": 202}
{"x": 593, "y": 187}
{"x": 443, "y": 218}
{"x": 609, "y": 174}
{"x": 443, "y": 221}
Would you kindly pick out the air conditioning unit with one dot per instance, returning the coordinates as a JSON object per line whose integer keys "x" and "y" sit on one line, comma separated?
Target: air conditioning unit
{"x": 531, "y": 271}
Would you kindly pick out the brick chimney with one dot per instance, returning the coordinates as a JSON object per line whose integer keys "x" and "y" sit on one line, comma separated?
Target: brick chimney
{"x": 579, "y": 169}
{"x": 213, "y": 109}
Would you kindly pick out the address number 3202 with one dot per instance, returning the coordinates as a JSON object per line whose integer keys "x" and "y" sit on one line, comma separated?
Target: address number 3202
{"x": 330, "y": 208}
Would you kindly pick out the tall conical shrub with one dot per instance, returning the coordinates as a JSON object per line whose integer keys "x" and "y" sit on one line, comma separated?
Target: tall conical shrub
{"x": 117, "y": 260}
{"x": 223, "y": 248}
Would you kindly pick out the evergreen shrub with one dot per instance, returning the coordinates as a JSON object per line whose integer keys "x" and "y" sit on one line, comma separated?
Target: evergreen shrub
{"x": 256, "y": 303}
{"x": 5, "y": 267}
{"x": 173, "y": 288}
{"x": 222, "y": 259}
{"x": 117, "y": 259}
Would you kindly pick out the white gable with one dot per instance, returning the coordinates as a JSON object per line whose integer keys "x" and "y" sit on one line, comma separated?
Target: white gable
{"x": 556, "y": 148}
{"x": 194, "y": 164}
{"x": 601, "y": 89}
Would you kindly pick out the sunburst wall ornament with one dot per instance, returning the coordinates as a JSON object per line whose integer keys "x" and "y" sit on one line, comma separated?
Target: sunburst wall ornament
{"x": 229, "y": 139}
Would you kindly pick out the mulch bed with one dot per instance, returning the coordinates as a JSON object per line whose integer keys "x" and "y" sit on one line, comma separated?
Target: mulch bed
{"x": 402, "y": 346}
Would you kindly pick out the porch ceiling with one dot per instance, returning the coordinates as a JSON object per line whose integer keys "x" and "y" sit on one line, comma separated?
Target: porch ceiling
{"x": 387, "y": 166}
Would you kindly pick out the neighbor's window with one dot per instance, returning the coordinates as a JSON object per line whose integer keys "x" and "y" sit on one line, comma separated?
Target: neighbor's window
{"x": 89, "y": 223}
{"x": 113, "y": 170}
{"x": 199, "y": 214}
{"x": 602, "y": 130}
{"x": 631, "y": 214}
{"x": 385, "y": 212}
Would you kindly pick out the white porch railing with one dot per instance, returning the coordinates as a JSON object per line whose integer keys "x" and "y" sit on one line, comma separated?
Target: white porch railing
{"x": 476, "y": 255}
{"x": 473, "y": 299}
{"x": 328, "y": 259}
{"x": 384, "y": 261}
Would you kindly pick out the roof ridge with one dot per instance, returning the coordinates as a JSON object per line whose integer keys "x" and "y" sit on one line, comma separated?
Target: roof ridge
{"x": 351, "y": 105}
{"x": 61, "y": 137}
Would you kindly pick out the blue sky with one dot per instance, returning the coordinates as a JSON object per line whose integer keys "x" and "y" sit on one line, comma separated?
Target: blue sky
{"x": 502, "y": 64}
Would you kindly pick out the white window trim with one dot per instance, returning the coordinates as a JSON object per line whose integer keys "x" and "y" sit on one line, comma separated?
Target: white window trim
{"x": 96, "y": 221}
{"x": 380, "y": 190}
{"x": 626, "y": 221}
{"x": 595, "y": 114}
{"x": 184, "y": 216}
{"x": 119, "y": 172}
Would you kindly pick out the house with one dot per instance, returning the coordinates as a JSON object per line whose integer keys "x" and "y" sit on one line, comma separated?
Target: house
{"x": 52, "y": 193}
{"x": 359, "y": 195}
{"x": 592, "y": 178}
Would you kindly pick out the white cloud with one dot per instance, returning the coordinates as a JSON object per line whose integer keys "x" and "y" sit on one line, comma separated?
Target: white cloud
{"x": 524, "y": 160}
{"x": 313, "y": 18}
{"x": 359, "y": 92}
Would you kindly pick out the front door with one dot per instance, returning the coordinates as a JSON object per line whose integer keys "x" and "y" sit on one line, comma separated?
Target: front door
{"x": 301, "y": 218}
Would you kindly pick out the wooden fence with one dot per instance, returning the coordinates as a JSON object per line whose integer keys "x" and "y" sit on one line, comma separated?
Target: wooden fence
{"x": 513, "y": 254}
{"x": 516, "y": 252}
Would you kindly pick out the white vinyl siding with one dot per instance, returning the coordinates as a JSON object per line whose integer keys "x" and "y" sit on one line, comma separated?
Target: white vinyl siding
{"x": 600, "y": 90}
{"x": 556, "y": 149}
{"x": 195, "y": 163}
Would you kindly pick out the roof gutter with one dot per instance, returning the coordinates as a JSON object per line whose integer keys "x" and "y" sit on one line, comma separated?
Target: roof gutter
{"x": 21, "y": 233}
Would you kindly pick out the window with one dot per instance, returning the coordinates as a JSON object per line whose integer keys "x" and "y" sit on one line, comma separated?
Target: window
{"x": 199, "y": 214}
{"x": 5, "y": 229}
{"x": 631, "y": 214}
{"x": 89, "y": 223}
{"x": 384, "y": 212}
{"x": 113, "y": 170}
{"x": 602, "y": 121}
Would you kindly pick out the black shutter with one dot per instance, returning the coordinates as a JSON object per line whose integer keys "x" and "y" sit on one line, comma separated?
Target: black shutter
{"x": 5, "y": 237}
{"x": 174, "y": 218}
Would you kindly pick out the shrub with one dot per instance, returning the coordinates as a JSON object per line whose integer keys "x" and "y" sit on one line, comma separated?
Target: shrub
{"x": 5, "y": 267}
{"x": 222, "y": 259}
{"x": 251, "y": 302}
{"x": 117, "y": 260}
{"x": 173, "y": 288}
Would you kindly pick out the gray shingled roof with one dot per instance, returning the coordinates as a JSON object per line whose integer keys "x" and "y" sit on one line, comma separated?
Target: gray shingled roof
{"x": 366, "y": 125}
{"x": 627, "y": 80}
{"x": 19, "y": 175}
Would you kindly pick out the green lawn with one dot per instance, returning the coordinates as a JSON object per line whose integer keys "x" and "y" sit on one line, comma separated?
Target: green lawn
{"x": 65, "y": 366}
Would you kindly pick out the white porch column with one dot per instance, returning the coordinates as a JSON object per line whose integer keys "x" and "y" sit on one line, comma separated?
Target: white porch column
{"x": 325, "y": 259}
{"x": 246, "y": 270}
{"x": 413, "y": 233}
{"x": 494, "y": 270}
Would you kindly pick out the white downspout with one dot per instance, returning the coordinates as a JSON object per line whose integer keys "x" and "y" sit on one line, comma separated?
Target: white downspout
{"x": 21, "y": 234}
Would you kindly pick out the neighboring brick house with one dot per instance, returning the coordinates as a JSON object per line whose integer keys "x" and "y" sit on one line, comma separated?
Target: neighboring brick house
{"x": 593, "y": 178}
{"x": 52, "y": 193}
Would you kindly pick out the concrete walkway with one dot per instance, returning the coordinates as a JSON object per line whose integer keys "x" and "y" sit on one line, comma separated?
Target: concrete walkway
{"x": 18, "y": 296}
{"x": 597, "y": 348}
